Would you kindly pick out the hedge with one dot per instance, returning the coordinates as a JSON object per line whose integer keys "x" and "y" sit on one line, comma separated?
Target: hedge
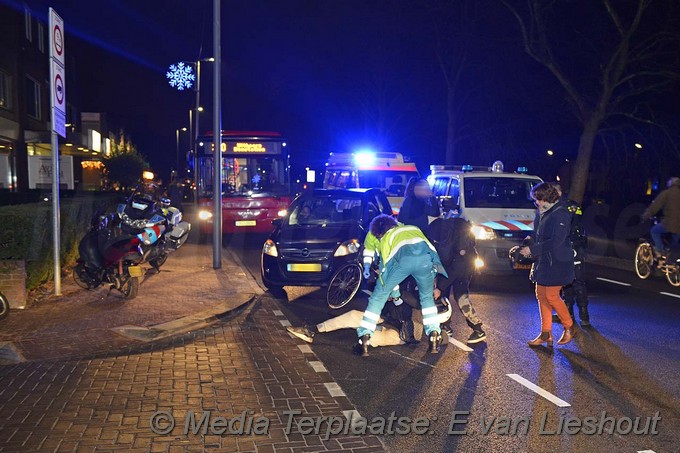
{"x": 26, "y": 233}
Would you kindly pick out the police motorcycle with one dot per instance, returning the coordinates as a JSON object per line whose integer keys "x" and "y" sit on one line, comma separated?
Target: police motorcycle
{"x": 161, "y": 227}
{"x": 117, "y": 244}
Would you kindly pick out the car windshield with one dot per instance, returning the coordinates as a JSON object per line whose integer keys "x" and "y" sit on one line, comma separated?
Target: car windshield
{"x": 325, "y": 210}
{"x": 506, "y": 193}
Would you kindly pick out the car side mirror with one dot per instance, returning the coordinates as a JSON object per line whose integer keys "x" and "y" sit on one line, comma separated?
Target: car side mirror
{"x": 277, "y": 222}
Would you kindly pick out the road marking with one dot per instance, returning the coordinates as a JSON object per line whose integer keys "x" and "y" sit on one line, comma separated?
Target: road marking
{"x": 646, "y": 451}
{"x": 278, "y": 313}
{"x": 613, "y": 281}
{"x": 670, "y": 294}
{"x": 285, "y": 322}
{"x": 536, "y": 389}
{"x": 353, "y": 415}
{"x": 413, "y": 360}
{"x": 318, "y": 366}
{"x": 462, "y": 346}
{"x": 305, "y": 348}
{"x": 334, "y": 389}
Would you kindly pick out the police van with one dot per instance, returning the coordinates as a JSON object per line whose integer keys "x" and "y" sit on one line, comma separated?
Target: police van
{"x": 389, "y": 172}
{"x": 498, "y": 204}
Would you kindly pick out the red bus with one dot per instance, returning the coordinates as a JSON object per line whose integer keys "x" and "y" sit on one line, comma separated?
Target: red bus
{"x": 255, "y": 181}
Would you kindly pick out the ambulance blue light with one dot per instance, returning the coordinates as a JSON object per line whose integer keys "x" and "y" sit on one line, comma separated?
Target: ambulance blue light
{"x": 362, "y": 158}
{"x": 522, "y": 170}
{"x": 467, "y": 167}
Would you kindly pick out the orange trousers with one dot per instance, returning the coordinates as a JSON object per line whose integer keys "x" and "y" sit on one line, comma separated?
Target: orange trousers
{"x": 548, "y": 300}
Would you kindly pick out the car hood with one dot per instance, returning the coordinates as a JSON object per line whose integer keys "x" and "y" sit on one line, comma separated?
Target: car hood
{"x": 317, "y": 237}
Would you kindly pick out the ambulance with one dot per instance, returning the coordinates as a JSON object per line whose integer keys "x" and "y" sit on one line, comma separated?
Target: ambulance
{"x": 498, "y": 204}
{"x": 388, "y": 172}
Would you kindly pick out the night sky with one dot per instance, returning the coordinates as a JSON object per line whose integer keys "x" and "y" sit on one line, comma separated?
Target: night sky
{"x": 332, "y": 76}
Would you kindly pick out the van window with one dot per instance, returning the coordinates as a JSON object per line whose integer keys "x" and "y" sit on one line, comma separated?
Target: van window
{"x": 439, "y": 187}
{"x": 507, "y": 193}
{"x": 454, "y": 190}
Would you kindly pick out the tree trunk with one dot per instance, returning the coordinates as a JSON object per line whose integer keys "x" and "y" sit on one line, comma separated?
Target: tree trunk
{"x": 579, "y": 181}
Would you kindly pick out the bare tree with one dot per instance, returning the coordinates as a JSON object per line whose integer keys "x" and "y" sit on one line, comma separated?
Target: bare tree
{"x": 633, "y": 49}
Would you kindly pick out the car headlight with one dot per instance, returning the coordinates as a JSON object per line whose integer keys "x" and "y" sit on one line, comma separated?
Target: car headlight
{"x": 270, "y": 248}
{"x": 282, "y": 213}
{"x": 204, "y": 215}
{"x": 483, "y": 233}
{"x": 348, "y": 248}
{"x": 479, "y": 263}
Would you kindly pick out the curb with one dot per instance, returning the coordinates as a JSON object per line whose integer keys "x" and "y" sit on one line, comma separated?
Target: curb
{"x": 186, "y": 324}
{"x": 10, "y": 355}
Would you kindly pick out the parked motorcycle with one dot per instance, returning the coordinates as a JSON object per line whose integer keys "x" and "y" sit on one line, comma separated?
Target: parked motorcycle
{"x": 118, "y": 244}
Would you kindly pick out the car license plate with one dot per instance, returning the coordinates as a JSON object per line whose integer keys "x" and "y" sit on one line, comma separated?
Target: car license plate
{"x": 521, "y": 266}
{"x": 304, "y": 267}
{"x": 246, "y": 223}
{"x": 135, "y": 271}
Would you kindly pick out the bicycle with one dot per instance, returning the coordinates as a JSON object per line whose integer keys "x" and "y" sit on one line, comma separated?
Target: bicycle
{"x": 4, "y": 306}
{"x": 646, "y": 262}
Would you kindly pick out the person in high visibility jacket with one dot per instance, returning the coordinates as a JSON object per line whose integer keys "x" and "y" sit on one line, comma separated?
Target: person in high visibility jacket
{"x": 404, "y": 251}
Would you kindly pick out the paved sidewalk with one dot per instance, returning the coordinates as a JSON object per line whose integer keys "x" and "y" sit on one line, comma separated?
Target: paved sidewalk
{"x": 248, "y": 364}
{"x": 186, "y": 285}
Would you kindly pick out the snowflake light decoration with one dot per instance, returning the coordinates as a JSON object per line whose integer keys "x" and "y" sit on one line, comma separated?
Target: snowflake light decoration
{"x": 180, "y": 76}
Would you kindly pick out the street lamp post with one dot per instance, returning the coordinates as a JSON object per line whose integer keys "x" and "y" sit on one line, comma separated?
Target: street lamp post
{"x": 217, "y": 136}
{"x": 184, "y": 129}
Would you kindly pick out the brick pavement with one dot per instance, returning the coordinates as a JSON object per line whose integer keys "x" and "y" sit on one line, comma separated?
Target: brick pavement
{"x": 105, "y": 404}
{"x": 186, "y": 284}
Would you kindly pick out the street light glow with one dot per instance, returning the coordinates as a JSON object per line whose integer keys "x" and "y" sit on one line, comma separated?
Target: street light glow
{"x": 200, "y": 109}
{"x": 638, "y": 146}
{"x": 551, "y": 152}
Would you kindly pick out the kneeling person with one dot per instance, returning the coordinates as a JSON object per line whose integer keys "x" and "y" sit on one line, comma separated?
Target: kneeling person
{"x": 404, "y": 251}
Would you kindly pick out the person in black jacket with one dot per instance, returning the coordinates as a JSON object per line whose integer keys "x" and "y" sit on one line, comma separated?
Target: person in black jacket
{"x": 554, "y": 265}
{"x": 419, "y": 204}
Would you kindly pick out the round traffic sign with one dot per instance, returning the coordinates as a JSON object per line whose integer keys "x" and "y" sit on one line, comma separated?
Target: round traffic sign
{"x": 59, "y": 89}
{"x": 58, "y": 40}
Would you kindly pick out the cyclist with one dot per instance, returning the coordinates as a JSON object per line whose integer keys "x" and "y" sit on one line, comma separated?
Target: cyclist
{"x": 667, "y": 201}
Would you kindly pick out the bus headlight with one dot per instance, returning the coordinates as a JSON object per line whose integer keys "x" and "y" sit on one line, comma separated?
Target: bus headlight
{"x": 204, "y": 215}
{"x": 282, "y": 213}
{"x": 270, "y": 248}
{"x": 348, "y": 248}
{"x": 483, "y": 233}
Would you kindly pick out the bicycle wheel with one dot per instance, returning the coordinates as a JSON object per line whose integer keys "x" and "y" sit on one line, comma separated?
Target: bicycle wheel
{"x": 344, "y": 285}
{"x": 644, "y": 260}
{"x": 673, "y": 275}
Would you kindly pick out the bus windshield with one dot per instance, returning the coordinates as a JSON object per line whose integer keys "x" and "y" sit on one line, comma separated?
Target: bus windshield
{"x": 506, "y": 193}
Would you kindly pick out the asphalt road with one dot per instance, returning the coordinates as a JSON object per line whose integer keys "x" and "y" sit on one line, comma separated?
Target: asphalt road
{"x": 625, "y": 365}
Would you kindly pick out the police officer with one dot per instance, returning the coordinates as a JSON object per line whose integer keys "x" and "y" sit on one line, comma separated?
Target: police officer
{"x": 576, "y": 292}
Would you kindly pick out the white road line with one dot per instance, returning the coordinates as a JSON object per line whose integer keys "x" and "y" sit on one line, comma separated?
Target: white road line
{"x": 318, "y": 366}
{"x": 305, "y": 348}
{"x": 670, "y": 294}
{"x": 334, "y": 389}
{"x": 536, "y": 389}
{"x": 462, "y": 346}
{"x": 284, "y": 322}
{"x": 277, "y": 312}
{"x": 646, "y": 451}
{"x": 413, "y": 360}
{"x": 613, "y": 281}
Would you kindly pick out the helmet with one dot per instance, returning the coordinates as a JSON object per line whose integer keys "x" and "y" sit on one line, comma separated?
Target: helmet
{"x": 518, "y": 258}
{"x": 140, "y": 206}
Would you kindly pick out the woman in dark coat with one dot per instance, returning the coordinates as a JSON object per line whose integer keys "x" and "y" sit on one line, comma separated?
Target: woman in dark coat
{"x": 419, "y": 203}
{"x": 554, "y": 265}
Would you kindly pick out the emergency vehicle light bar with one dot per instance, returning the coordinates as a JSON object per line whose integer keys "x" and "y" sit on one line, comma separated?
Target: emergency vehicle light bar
{"x": 464, "y": 168}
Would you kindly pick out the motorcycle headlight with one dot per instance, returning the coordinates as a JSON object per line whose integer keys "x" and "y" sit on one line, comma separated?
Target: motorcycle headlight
{"x": 204, "y": 214}
{"x": 483, "y": 233}
{"x": 270, "y": 248}
{"x": 348, "y": 248}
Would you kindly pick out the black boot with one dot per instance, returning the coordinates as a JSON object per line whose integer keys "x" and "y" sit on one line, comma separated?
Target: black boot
{"x": 584, "y": 316}
{"x": 435, "y": 342}
{"x": 361, "y": 346}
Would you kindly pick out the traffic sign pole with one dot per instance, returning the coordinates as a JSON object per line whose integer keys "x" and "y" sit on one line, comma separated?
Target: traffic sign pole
{"x": 58, "y": 109}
